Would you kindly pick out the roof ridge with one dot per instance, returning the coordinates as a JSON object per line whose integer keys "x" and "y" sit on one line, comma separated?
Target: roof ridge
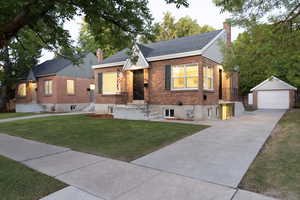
{"x": 179, "y": 38}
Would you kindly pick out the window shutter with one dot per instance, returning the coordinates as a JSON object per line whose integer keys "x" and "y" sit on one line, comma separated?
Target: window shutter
{"x": 168, "y": 77}
{"x": 100, "y": 80}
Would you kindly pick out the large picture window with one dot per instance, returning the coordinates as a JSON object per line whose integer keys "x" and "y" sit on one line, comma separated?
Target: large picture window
{"x": 185, "y": 77}
{"x": 110, "y": 83}
{"x": 22, "y": 90}
{"x": 48, "y": 87}
{"x": 208, "y": 77}
{"x": 70, "y": 87}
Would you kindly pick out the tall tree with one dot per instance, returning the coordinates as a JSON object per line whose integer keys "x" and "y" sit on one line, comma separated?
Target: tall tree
{"x": 46, "y": 16}
{"x": 17, "y": 58}
{"x": 91, "y": 39}
{"x": 263, "y": 51}
{"x": 169, "y": 28}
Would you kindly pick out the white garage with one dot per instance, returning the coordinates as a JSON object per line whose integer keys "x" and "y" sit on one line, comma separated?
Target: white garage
{"x": 273, "y": 93}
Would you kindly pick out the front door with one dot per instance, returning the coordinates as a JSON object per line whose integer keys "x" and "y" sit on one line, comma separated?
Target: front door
{"x": 138, "y": 84}
{"x": 33, "y": 87}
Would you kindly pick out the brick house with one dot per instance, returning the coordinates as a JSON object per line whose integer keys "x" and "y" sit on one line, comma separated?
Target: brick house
{"x": 57, "y": 85}
{"x": 180, "y": 78}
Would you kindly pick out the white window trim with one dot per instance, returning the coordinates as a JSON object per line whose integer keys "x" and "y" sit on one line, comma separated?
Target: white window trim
{"x": 169, "y": 117}
{"x": 212, "y": 82}
{"x": 48, "y": 94}
{"x": 185, "y": 77}
{"x": 109, "y": 93}
{"x": 73, "y": 87}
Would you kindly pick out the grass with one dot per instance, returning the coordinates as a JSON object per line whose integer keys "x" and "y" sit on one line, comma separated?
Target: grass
{"x": 12, "y": 115}
{"x": 119, "y": 139}
{"x": 276, "y": 170}
{"x": 18, "y": 182}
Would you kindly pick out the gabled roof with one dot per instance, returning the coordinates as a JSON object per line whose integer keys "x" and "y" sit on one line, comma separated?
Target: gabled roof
{"x": 51, "y": 67}
{"x": 179, "y": 47}
{"x": 273, "y": 83}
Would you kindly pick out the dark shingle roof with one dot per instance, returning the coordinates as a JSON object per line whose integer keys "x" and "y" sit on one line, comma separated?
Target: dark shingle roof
{"x": 53, "y": 66}
{"x": 166, "y": 47}
{"x": 50, "y": 66}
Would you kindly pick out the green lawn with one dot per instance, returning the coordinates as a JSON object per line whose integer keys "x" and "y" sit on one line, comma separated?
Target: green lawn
{"x": 12, "y": 115}
{"x": 120, "y": 139}
{"x": 18, "y": 182}
{"x": 276, "y": 171}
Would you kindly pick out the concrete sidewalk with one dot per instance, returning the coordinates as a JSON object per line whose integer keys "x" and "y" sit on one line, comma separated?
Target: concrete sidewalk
{"x": 41, "y": 115}
{"x": 98, "y": 178}
{"x": 220, "y": 154}
{"x": 188, "y": 174}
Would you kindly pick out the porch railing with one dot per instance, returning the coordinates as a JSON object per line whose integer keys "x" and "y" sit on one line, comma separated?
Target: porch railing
{"x": 229, "y": 94}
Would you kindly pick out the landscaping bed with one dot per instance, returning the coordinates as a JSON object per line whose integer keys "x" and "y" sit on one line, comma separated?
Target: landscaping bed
{"x": 119, "y": 139}
{"x": 18, "y": 182}
{"x": 276, "y": 170}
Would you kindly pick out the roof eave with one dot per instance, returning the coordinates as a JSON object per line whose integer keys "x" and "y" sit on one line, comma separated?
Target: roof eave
{"x": 168, "y": 56}
{"x": 265, "y": 81}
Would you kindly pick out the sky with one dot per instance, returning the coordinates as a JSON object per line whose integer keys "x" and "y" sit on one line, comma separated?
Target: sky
{"x": 204, "y": 11}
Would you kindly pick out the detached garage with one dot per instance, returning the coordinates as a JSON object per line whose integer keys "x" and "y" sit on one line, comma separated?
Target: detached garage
{"x": 274, "y": 93}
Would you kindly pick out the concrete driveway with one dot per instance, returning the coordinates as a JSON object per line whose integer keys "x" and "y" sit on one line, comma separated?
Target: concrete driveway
{"x": 220, "y": 154}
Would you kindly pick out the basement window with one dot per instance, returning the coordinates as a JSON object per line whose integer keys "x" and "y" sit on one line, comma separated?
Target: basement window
{"x": 169, "y": 113}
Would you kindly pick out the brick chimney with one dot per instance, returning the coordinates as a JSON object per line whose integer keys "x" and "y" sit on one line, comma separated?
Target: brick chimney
{"x": 227, "y": 28}
{"x": 99, "y": 55}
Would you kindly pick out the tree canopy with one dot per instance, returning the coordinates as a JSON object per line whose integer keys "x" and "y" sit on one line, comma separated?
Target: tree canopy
{"x": 45, "y": 17}
{"x": 91, "y": 39}
{"x": 261, "y": 52}
{"x": 247, "y": 12}
{"x": 169, "y": 28}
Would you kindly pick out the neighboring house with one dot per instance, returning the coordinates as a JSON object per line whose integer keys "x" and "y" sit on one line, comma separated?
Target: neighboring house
{"x": 180, "y": 78}
{"x": 273, "y": 93}
{"x": 57, "y": 85}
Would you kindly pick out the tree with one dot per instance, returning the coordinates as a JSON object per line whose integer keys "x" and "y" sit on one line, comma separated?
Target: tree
{"x": 247, "y": 12}
{"x": 170, "y": 29}
{"x": 47, "y": 16}
{"x": 90, "y": 40}
{"x": 261, "y": 52}
{"x": 17, "y": 58}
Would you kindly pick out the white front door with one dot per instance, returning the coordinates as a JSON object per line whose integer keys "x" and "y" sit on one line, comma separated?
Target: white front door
{"x": 273, "y": 99}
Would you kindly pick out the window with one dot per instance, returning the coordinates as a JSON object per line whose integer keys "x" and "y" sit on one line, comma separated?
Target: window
{"x": 208, "y": 77}
{"x": 48, "y": 87}
{"x": 110, "y": 83}
{"x": 70, "y": 87}
{"x": 169, "y": 113}
{"x": 185, "y": 77}
{"x": 22, "y": 90}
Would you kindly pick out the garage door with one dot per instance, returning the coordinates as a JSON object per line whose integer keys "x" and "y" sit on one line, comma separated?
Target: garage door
{"x": 273, "y": 99}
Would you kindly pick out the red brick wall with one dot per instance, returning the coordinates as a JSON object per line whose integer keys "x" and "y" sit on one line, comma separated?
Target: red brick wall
{"x": 59, "y": 91}
{"x": 158, "y": 94}
{"x": 27, "y": 98}
{"x": 155, "y": 93}
{"x": 111, "y": 99}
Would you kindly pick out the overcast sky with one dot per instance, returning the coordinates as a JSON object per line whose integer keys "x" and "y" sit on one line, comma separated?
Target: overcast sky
{"x": 204, "y": 11}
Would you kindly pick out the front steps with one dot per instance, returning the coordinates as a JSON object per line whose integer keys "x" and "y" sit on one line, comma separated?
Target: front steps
{"x": 135, "y": 112}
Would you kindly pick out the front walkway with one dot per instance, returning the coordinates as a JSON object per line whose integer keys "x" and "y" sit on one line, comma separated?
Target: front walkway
{"x": 220, "y": 154}
{"x": 96, "y": 178}
{"x": 41, "y": 115}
